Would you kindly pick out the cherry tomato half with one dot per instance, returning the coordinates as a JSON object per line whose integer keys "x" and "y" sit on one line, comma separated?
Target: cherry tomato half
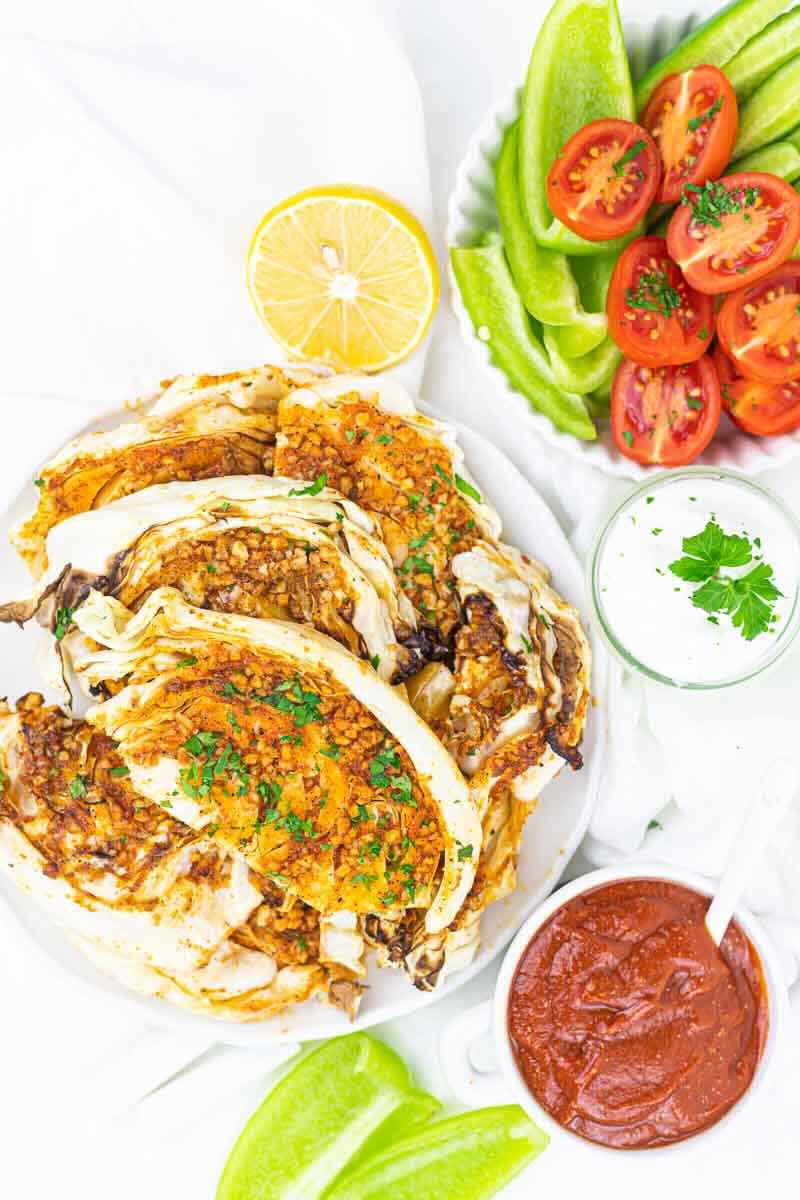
{"x": 764, "y": 409}
{"x": 729, "y": 233}
{"x": 759, "y": 326}
{"x": 653, "y": 315}
{"x": 604, "y": 179}
{"x": 693, "y": 118}
{"x": 664, "y": 415}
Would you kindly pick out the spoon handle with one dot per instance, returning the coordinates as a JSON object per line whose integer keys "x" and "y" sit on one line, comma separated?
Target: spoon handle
{"x": 763, "y": 817}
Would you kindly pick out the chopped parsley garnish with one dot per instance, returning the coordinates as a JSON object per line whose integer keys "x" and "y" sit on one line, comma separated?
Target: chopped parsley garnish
{"x": 527, "y": 643}
{"x": 417, "y": 563}
{"x": 77, "y": 786}
{"x": 389, "y": 898}
{"x": 281, "y": 880}
{"x": 198, "y": 779}
{"x": 313, "y": 489}
{"x": 697, "y": 405}
{"x": 628, "y": 157}
{"x": 291, "y": 698}
{"x": 375, "y": 661}
{"x": 442, "y": 475}
{"x": 384, "y": 439}
{"x": 414, "y": 501}
{"x": 211, "y": 569}
{"x": 63, "y": 621}
{"x": 748, "y": 600}
{"x": 366, "y": 880}
{"x": 225, "y": 506}
{"x": 628, "y": 437}
{"x": 333, "y": 752}
{"x": 418, "y": 542}
{"x": 654, "y": 824}
{"x": 350, "y": 434}
{"x": 711, "y": 202}
{"x": 399, "y": 786}
{"x": 229, "y": 689}
{"x": 466, "y": 488}
{"x": 39, "y": 483}
{"x": 464, "y": 852}
{"x": 655, "y": 293}
{"x": 189, "y": 661}
{"x": 708, "y": 115}
{"x": 119, "y": 772}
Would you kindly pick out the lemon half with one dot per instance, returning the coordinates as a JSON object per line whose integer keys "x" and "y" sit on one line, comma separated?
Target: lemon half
{"x": 344, "y": 275}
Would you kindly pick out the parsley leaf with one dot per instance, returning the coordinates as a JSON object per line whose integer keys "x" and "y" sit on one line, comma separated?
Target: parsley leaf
{"x": 313, "y": 489}
{"x": 747, "y": 599}
{"x": 708, "y": 115}
{"x": 467, "y": 489}
{"x": 63, "y": 621}
{"x": 706, "y": 552}
{"x": 629, "y": 155}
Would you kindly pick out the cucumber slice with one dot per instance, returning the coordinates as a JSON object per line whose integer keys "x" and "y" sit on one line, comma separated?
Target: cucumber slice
{"x": 543, "y": 277}
{"x": 714, "y": 42}
{"x": 349, "y": 1093}
{"x": 501, "y": 320}
{"x": 772, "y": 111}
{"x": 469, "y": 1157}
{"x": 578, "y": 73}
{"x": 771, "y": 48}
{"x": 779, "y": 158}
{"x": 589, "y": 373}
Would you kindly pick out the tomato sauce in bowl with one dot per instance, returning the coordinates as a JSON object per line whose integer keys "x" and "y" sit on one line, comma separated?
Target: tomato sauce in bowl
{"x": 628, "y": 1025}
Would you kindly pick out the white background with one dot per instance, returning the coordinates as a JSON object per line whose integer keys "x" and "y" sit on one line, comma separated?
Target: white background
{"x": 55, "y": 1138}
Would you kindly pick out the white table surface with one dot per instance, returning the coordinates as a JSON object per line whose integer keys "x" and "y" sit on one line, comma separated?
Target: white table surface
{"x": 55, "y": 1136}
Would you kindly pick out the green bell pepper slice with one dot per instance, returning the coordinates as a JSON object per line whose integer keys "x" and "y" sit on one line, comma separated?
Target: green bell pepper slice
{"x": 501, "y": 320}
{"x": 714, "y": 42}
{"x": 592, "y": 276}
{"x": 779, "y": 158}
{"x": 771, "y": 48}
{"x": 349, "y": 1094}
{"x": 578, "y": 73}
{"x": 468, "y": 1157}
{"x": 586, "y": 374}
{"x": 543, "y": 277}
{"x": 772, "y": 111}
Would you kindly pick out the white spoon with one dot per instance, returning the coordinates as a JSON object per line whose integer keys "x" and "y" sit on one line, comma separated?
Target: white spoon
{"x": 761, "y": 821}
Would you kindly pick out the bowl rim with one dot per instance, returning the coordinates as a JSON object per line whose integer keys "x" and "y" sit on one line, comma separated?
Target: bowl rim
{"x": 776, "y": 988}
{"x": 467, "y": 194}
{"x": 614, "y": 643}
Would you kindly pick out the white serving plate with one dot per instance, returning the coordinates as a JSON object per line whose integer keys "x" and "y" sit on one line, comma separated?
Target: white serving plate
{"x": 471, "y": 212}
{"x": 552, "y": 833}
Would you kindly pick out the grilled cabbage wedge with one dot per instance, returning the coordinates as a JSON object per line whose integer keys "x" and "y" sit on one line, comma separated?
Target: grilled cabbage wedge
{"x": 198, "y": 427}
{"x": 297, "y": 753}
{"x": 255, "y": 545}
{"x": 367, "y": 439}
{"x": 512, "y": 712}
{"x": 159, "y": 906}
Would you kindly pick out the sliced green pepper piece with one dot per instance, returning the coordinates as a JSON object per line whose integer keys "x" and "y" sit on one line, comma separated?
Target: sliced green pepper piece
{"x": 578, "y": 73}
{"x": 772, "y": 111}
{"x": 771, "y": 48}
{"x": 349, "y": 1093}
{"x": 543, "y": 277}
{"x": 585, "y": 374}
{"x": 779, "y": 158}
{"x": 714, "y": 42}
{"x": 468, "y": 1157}
{"x": 592, "y": 276}
{"x": 501, "y": 320}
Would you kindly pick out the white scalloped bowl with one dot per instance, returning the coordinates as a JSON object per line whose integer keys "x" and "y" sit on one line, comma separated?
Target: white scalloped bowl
{"x": 471, "y": 212}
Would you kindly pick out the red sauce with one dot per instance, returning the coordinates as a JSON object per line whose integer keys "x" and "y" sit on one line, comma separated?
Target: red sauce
{"x": 629, "y": 1026}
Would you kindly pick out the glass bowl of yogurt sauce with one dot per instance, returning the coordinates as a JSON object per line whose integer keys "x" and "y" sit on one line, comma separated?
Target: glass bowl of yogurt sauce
{"x": 644, "y": 580}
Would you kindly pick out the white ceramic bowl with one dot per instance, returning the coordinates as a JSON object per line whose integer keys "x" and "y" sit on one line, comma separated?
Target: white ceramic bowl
{"x": 471, "y": 212}
{"x": 480, "y": 1074}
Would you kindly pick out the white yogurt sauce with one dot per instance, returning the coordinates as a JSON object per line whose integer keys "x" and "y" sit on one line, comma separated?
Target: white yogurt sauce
{"x": 648, "y": 610}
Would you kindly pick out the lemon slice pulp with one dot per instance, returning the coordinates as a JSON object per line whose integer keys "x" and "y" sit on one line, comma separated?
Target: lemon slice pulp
{"x": 343, "y": 275}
